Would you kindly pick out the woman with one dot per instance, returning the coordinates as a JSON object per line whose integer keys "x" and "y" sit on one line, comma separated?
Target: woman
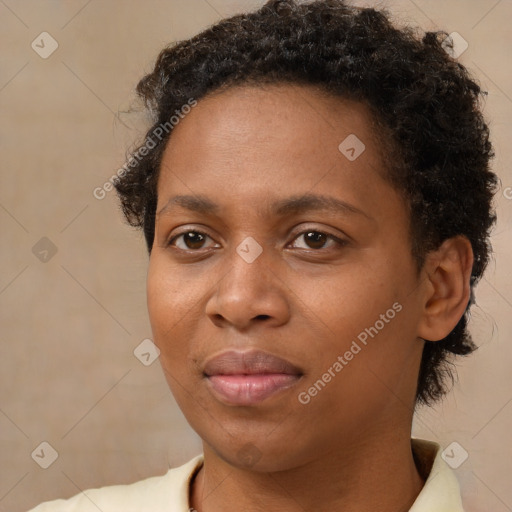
{"x": 315, "y": 196}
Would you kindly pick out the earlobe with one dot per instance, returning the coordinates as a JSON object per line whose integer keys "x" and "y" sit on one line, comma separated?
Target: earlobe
{"x": 447, "y": 272}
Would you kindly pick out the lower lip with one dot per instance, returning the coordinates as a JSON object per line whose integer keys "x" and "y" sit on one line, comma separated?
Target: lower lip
{"x": 250, "y": 389}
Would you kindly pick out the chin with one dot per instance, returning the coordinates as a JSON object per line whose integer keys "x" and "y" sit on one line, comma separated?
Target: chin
{"x": 256, "y": 452}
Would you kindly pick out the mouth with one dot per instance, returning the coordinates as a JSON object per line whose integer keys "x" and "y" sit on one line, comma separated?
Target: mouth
{"x": 248, "y": 378}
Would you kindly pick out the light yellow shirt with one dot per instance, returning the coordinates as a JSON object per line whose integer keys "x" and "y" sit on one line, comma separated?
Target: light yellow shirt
{"x": 170, "y": 492}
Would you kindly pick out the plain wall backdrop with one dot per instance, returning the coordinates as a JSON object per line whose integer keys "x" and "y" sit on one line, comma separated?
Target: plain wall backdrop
{"x": 72, "y": 278}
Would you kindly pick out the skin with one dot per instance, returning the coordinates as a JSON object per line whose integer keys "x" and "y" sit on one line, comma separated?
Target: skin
{"x": 349, "y": 447}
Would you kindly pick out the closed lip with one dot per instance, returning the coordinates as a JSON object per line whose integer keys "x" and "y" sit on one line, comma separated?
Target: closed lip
{"x": 248, "y": 378}
{"x": 249, "y": 362}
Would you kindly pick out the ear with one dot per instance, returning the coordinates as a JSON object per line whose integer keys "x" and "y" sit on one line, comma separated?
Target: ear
{"x": 447, "y": 289}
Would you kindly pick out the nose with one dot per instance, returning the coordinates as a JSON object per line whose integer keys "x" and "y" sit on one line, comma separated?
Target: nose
{"x": 250, "y": 292}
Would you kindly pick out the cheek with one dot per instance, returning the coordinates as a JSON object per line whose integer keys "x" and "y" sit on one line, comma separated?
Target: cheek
{"x": 366, "y": 312}
{"x": 167, "y": 309}
{"x": 159, "y": 300}
{"x": 170, "y": 296}
{"x": 349, "y": 300}
{"x": 168, "y": 304}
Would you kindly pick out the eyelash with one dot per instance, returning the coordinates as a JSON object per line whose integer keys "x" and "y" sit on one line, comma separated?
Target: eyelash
{"x": 340, "y": 242}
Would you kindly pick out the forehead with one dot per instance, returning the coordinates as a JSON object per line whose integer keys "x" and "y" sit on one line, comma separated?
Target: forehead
{"x": 249, "y": 157}
{"x": 291, "y": 113}
{"x": 269, "y": 128}
{"x": 248, "y": 146}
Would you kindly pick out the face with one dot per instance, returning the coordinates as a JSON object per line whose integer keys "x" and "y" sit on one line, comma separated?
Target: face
{"x": 281, "y": 290}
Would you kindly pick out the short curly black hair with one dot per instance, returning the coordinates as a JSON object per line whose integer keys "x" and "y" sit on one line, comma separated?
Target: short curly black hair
{"x": 425, "y": 102}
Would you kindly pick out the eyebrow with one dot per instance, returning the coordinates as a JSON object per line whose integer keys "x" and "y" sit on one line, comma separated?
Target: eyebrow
{"x": 282, "y": 207}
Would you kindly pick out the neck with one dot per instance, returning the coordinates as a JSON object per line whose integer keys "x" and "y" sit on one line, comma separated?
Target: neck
{"x": 375, "y": 474}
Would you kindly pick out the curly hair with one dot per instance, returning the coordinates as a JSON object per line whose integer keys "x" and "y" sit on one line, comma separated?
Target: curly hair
{"x": 425, "y": 103}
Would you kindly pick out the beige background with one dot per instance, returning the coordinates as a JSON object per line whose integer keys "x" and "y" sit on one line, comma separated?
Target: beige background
{"x": 69, "y": 325}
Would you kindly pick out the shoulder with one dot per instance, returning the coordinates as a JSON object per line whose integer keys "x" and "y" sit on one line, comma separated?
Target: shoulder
{"x": 153, "y": 494}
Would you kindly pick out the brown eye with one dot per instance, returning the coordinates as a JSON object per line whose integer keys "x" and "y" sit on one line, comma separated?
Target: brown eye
{"x": 317, "y": 239}
{"x": 191, "y": 240}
